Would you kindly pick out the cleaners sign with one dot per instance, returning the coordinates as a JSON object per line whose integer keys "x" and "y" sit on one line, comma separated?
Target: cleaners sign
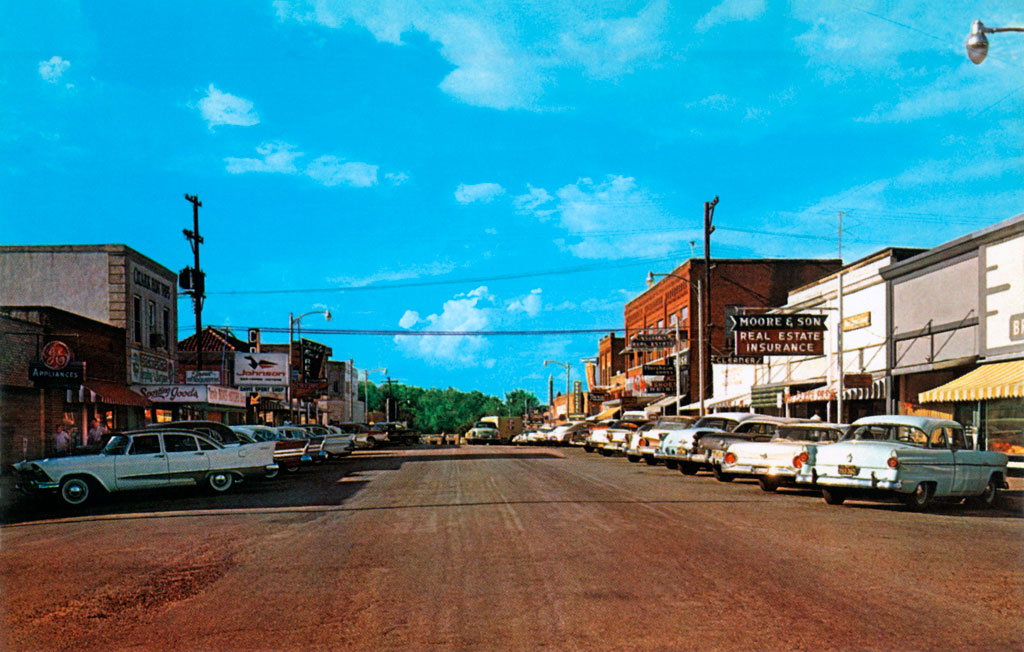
{"x": 794, "y": 334}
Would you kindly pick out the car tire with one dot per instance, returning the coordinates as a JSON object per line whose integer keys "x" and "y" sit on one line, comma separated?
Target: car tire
{"x": 920, "y": 498}
{"x": 720, "y": 476}
{"x": 688, "y": 468}
{"x": 270, "y": 475}
{"x": 768, "y": 484}
{"x": 220, "y": 481}
{"x": 292, "y": 468}
{"x": 76, "y": 491}
{"x": 833, "y": 496}
{"x": 651, "y": 461}
{"x": 605, "y": 452}
{"x": 986, "y": 498}
{"x": 588, "y": 448}
{"x": 633, "y": 458}
{"x": 671, "y": 464}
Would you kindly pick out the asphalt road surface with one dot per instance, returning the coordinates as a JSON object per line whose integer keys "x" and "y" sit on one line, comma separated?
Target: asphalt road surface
{"x": 500, "y": 548}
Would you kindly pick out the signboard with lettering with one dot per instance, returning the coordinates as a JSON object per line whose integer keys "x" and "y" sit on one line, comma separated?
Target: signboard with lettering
{"x": 653, "y": 340}
{"x": 860, "y": 320}
{"x": 857, "y": 380}
{"x": 736, "y": 359}
{"x": 780, "y": 342}
{"x": 795, "y": 321}
{"x": 202, "y": 377}
{"x": 148, "y": 369}
{"x": 56, "y": 367}
{"x": 659, "y": 370}
{"x": 301, "y": 389}
{"x": 261, "y": 369}
{"x": 212, "y": 394}
{"x": 314, "y": 355}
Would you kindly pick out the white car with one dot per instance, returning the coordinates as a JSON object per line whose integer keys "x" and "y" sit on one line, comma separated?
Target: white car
{"x": 564, "y": 435}
{"x": 483, "y": 432}
{"x": 147, "y": 460}
{"x": 644, "y": 441}
{"x": 676, "y": 446}
{"x": 340, "y": 441}
{"x": 598, "y": 437}
{"x": 773, "y": 462}
{"x": 914, "y": 459}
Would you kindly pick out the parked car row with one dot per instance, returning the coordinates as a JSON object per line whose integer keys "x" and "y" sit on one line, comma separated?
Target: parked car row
{"x": 169, "y": 454}
{"x": 915, "y": 460}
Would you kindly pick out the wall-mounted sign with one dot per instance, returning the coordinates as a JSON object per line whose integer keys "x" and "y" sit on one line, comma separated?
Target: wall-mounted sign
{"x": 735, "y": 359}
{"x": 779, "y": 342}
{"x": 56, "y": 367}
{"x": 202, "y": 377}
{"x": 148, "y": 369}
{"x": 262, "y": 369}
{"x": 653, "y": 341}
{"x": 216, "y": 395}
{"x": 860, "y": 320}
{"x": 857, "y": 380}
{"x": 211, "y": 394}
{"x": 301, "y": 389}
{"x": 659, "y": 369}
{"x": 314, "y": 359}
{"x": 795, "y": 321}
{"x": 1017, "y": 327}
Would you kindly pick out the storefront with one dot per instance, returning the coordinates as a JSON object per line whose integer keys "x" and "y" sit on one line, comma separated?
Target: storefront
{"x": 212, "y": 402}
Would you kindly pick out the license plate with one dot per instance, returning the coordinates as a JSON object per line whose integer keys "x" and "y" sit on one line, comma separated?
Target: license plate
{"x": 847, "y": 469}
{"x": 717, "y": 455}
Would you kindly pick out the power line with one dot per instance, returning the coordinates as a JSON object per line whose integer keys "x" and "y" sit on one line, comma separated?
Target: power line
{"x": 379, "y": 332}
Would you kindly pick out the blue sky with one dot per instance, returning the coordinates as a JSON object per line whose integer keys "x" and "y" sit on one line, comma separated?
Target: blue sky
{"x": 496, "y": 165}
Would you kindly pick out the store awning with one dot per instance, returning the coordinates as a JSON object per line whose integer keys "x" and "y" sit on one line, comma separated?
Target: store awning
{"x": 610, "y": 413}
{"x": 873, "y": 392}
{"x": 735, "y": 401}
{"x": 994, "y": 380}
{"x": 108, "y": 392}
{"x": 664, "y": 402}
{"x": 825, "y": 393}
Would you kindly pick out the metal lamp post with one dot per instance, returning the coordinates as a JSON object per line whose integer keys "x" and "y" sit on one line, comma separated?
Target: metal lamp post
{"x": 700, "y": 335}
{"x": 294, "y": 322}
{"x": 977, "y": 42}
{"x": 567, "y": 367}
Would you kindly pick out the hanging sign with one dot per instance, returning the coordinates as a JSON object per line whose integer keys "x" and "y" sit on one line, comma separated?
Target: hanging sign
{"x": 795, "y": 321}
{"x": 56, "y": 368}
{"x": 780, "y": 342}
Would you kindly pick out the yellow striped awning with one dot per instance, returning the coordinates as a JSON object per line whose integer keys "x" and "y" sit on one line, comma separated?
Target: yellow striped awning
{"x": 995, "y": 380}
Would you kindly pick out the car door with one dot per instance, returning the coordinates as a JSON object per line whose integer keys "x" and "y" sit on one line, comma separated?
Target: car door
{"x": 970, "y": 475}
{"x": 186, "y": 463}
{"x": 941, "y": 465}
{"x": 143, "y": 465}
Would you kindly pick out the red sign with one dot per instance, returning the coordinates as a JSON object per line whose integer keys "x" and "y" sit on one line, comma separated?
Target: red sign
{"x": 56, "y": 355}
{"x": 780, "y": 342}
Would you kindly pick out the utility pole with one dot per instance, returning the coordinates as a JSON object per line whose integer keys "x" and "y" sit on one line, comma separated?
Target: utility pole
{"x": 196, "y": 281}
{"x": 709, "y": 213}
{"x": 839, "y": 332}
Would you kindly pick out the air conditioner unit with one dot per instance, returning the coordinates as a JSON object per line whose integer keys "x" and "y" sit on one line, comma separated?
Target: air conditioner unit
{"x": 156, "y": 341}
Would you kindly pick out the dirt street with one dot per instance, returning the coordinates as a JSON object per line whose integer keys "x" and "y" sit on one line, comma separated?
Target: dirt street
{"x": 500, "y": 548}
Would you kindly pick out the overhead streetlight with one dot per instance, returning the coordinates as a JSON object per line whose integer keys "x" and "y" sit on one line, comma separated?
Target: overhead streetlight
{"x": 700, "y": 335}
{"x": 294, "y": 322}
{"x": 977, "y": 42}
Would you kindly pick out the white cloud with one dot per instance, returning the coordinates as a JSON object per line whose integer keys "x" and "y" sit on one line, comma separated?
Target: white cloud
{"x": 219, "y": 108}
{"x": 530, "y": 304}
{"x": 464, "y": 312}
{"x": 278, "y": 157}
{"x": 53, "y": 69}
{"x": 409, "y": 319}
{"x": 532, "y": 201}
{"x": 332, "y": 171}
{"x": 505, "y": 54}
{"x": 404, "y": 273}
{"x": 731, "y": 11}
{"x": 396, "y": 178}
{"x": 481, "y": 192}
{"x": 612, "y": 219}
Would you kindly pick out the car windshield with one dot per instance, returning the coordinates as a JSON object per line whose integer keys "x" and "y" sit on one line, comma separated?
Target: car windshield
{"x": 807, "y": 434}
{"x": 888, "y": 432}
{"x": 117, "y": 445}
{"x": 483, "y": 424}
{"x": 716, "y": 422}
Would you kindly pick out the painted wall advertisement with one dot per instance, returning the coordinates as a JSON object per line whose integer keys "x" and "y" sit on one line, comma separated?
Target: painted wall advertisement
{"x": 261, "y": 369}
{"x": 148, "y": 369}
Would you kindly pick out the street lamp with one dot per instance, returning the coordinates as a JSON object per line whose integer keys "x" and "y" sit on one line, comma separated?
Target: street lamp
{"x": 567, "y": 368}
{"x": 700, "y": 335}
{"x": 977, "y": 42}
{"x": 294, "y": 322}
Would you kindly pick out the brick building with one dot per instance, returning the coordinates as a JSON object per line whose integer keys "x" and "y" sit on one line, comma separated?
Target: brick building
{"x": 30, "y": 412}
{"x": 734, "y": 283}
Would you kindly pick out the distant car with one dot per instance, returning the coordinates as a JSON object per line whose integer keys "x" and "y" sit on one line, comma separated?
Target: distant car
{"x": 617, "y": 433}
{"x": 333, "y": 441}
{"x": 482, "y": 432}
{"x": 147, "y": 459}
{"x": 289, "y": 454}
{"x": 315, "y": 446}
{"x": 563, "y": 435}
{"x": 642, "y": 443}
{"x": 598, "y": 437}
{"x": 540, "y": 435}
{"x": 773, "y": 462}
{"x": 913, "y": 459}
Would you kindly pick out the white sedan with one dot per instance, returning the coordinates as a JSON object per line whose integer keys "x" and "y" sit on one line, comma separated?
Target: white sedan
{"x": 147, "y": 460}
{"x": 914, "y": 459}
{"x": 773, "y": 462}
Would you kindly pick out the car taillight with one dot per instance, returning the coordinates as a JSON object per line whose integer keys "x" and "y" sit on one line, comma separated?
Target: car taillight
{"x": 801, "y": 459}
{"x": 893, "y": 462}
{"x": 730, "y": 458}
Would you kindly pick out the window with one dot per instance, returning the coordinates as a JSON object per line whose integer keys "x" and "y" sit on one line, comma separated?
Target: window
{"x": 206, "y": 446}
{"x": 167, "y": 329}
{"x": 145, "y": 445}
{"x": 180, "y": 444}
{"x": 684, "y": 314}
{"x": 137, "y": 319}
{"x": 957, "y": 438}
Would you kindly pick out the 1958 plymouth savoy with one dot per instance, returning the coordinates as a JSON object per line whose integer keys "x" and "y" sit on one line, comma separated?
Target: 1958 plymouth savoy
{"x": 914, "y": 459}
{"x": 144, "y": 460}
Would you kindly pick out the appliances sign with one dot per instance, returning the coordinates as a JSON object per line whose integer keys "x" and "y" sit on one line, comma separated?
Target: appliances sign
{"x": 262, "y": 369}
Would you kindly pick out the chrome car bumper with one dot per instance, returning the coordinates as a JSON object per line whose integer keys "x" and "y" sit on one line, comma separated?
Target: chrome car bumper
{"x": 34, "y": 486}
{"x": 753, "y": 469}
{"x": 850, "y": 482}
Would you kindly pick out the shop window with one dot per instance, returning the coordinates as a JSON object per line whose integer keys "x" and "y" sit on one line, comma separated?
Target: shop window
{"x": 1004, "y": 426}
